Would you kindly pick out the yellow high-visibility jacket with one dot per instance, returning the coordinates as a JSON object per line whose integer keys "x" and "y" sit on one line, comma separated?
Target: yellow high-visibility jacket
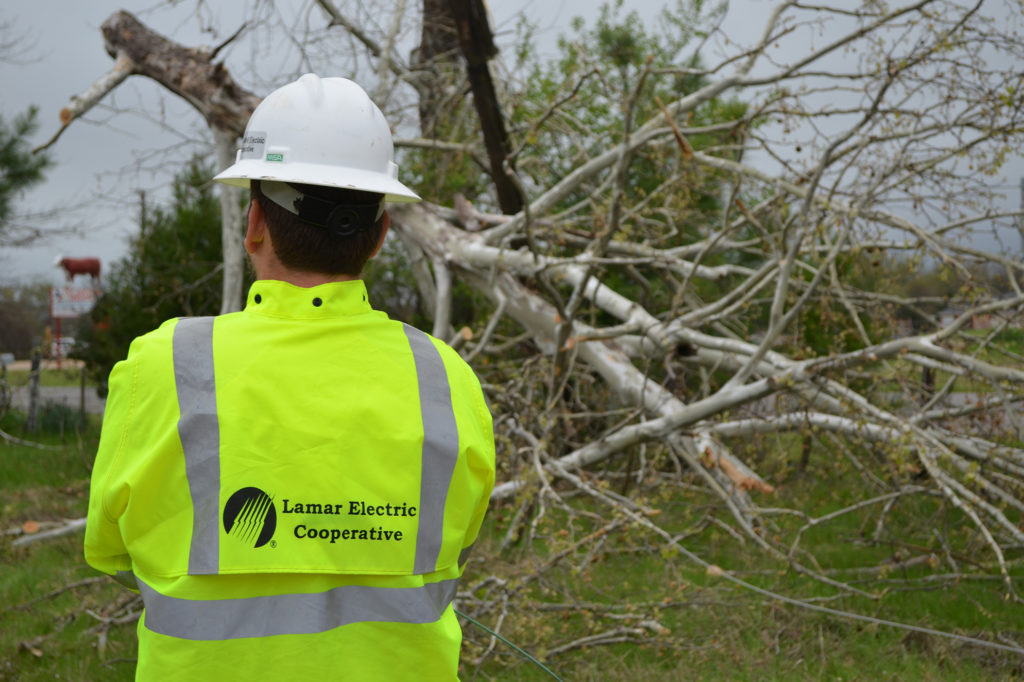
{"x": 294, "y": 489}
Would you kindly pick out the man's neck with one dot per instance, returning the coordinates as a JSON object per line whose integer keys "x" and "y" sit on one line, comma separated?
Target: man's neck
{"x": 300, "y": 278}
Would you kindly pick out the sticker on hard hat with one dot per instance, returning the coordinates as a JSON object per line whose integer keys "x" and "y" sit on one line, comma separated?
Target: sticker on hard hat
{"x": 252, "y": 146}
{"x": 275, "y": 157}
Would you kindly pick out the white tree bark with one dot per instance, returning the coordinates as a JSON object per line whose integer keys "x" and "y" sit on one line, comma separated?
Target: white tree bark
{"x": 232, "y": 229}
{"x": 84, "y": 101}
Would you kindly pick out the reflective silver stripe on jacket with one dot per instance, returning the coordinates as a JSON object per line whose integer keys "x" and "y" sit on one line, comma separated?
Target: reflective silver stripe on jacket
{"x": 294, "y": 614}
{"x": 440, "y": 448}
{"x": 200, "y": 437}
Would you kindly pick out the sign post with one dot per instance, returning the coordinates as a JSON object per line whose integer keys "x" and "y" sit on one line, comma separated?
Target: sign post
{"x": 69, "y": 302}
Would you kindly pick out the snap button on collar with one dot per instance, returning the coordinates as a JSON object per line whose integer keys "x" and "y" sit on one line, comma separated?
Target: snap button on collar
{"x": 257, "y": 298}
{"x": 318, "y": 301}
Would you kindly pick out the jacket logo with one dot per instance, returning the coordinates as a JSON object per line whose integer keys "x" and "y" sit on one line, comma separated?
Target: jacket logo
{"x": 249, "y": 517}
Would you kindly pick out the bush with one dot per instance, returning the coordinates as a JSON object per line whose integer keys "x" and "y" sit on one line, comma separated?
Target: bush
{"x": 57, "y": 417}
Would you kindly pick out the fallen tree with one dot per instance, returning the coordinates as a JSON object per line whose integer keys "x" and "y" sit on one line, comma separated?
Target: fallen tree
{"x": 711, "y": 283}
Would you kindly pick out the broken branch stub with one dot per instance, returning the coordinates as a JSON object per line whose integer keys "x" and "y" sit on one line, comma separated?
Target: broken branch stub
{"x": 188, "y": 72}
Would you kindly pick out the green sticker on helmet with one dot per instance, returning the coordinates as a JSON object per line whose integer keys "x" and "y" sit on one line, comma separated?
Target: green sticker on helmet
{"x": 275, "y": 157}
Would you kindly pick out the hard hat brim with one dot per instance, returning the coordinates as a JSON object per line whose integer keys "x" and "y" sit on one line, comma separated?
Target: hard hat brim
{"x": 241, "y": 172}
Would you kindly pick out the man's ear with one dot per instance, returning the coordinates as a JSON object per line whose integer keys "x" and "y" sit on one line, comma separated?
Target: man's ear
{"x": 385, "y": 223}
{"x": 256, "y": 229}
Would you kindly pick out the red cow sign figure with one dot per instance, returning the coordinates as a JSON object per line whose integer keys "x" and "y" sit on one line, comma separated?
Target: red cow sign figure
{"x": 79, "y": 266}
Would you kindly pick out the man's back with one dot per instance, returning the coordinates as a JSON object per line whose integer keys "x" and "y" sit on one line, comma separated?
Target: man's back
{"x": 296, "y": 486}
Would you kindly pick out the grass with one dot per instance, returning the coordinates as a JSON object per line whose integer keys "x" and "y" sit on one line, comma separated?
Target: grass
{"x": 48, "y": 376}
{"x": 52, "y": 638}
{"x": 707, "y": 627}
{"x": 715, "y": 629}
{"x": 1005, "y": 350}
{"x": 56, "y": 638}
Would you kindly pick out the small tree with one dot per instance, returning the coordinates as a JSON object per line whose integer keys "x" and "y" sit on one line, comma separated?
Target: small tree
{"x": 173, "y": 268}
{"x": 24, "y": 313}
{"x": 19, "y": 167}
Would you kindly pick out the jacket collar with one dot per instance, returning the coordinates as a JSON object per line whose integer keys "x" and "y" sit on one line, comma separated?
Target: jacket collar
{"x": 281, "y": 299}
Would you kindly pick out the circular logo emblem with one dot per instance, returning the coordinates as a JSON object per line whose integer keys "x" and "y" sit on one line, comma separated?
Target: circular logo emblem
{"x": 249, "y": 517}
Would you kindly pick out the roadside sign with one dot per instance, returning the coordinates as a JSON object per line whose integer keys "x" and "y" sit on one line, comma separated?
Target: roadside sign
{"x": 72, "y": 301}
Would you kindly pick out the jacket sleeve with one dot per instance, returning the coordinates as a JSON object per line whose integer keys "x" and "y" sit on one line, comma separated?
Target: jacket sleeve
{"x": 481, "y": 461}
{"x": 478, "y": 517}
{"x": 108, "y": 491}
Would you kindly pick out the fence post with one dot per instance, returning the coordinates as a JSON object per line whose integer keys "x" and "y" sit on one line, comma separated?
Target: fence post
{"x": 33, "y": 393}
{"x": 5, "y": 390}
{"x": 81, "y": 403}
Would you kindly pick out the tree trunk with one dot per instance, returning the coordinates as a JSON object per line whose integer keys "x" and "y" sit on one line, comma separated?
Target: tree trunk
{"x": 188, "y": 72}
{"x": 451, "y": 27}
{"x": 231, "y": 227}
{"x": 192, "y": 74}
{"x": 477, "y": 44}
{"x": 434, "y": 60}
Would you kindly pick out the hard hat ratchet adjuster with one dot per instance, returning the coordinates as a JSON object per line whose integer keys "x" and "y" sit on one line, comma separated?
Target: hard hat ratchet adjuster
{"x": 342, "y": 220}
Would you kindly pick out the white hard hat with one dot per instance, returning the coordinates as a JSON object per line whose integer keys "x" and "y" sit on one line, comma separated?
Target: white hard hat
{"x": 319, "y": 131}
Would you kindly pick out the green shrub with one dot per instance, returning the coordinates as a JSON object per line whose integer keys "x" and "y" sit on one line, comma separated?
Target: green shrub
{"x": 57, "y": 417}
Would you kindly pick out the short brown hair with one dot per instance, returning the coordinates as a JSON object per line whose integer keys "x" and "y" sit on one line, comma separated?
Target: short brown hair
{"x": 305, "y": 247}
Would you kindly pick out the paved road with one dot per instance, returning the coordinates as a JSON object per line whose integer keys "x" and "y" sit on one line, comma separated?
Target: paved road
{"x": 71, "y": 395}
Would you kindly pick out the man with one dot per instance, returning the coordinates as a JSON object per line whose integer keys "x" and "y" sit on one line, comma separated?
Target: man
{"x": 294, "y": 488}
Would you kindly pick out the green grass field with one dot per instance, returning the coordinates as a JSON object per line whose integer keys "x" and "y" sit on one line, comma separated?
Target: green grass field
{"x": 49, "y": 376}
{"x": 717, "y": 630}
{"x": 631, "y": 609}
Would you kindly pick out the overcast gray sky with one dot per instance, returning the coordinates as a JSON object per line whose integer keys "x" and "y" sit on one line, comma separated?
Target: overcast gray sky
{"x": 61, "y": 55}
{"x": 103, "y": 160}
